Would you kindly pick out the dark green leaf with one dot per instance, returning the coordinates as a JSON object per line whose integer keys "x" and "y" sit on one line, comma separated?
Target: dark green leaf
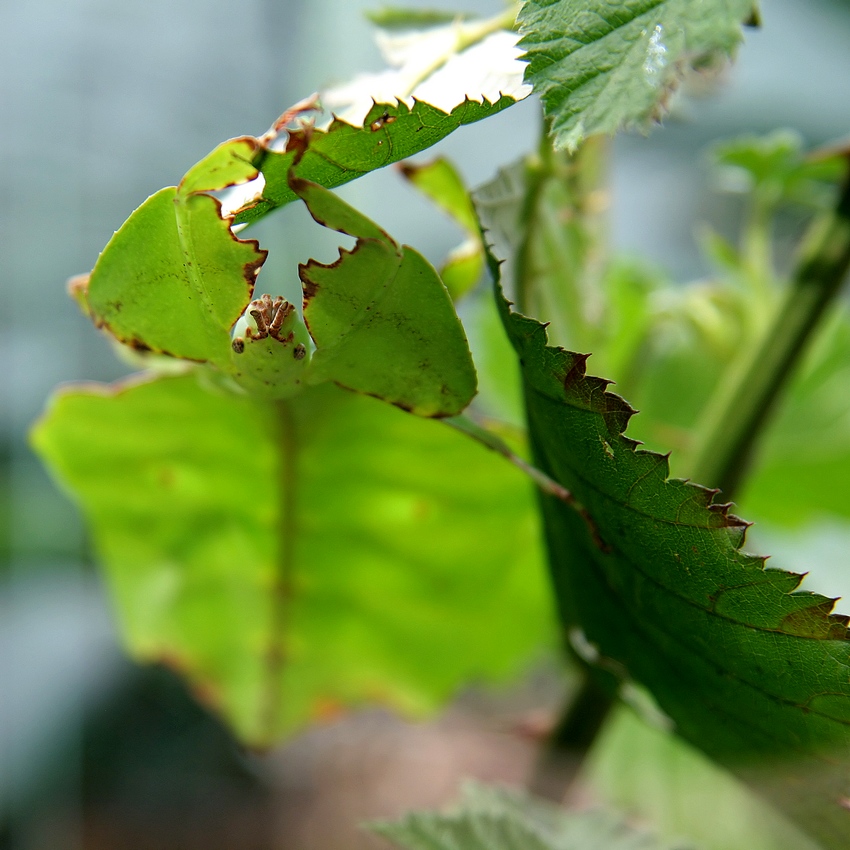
{"x": 381, "y": 318}
{"x": 600, "y": 65}
{"x": 653, "y": 574}
{"x": 298, "y": 557}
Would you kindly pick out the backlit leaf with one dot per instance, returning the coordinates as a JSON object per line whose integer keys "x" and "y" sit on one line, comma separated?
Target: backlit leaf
{"x": 174, "y": 279}
{"x": 294, "y": 558}
{"x": 344, "y": 152}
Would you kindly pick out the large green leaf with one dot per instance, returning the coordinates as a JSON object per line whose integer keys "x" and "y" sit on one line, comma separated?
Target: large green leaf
{"x": 599, "y": 65}
{"x": 652, "y": 573}
{"x": 344, "y": 152}
{"x": 496, "y": 819}
{"x": 296, "y": 556}
{"x": 382, "y": 321}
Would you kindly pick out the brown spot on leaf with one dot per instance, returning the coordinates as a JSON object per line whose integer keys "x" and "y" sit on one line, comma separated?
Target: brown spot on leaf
{"x": 310, "y": 288}
{"x": 138, "y": 345}
{"x": 816, "y": 621}
{"x": 576, "y": 371}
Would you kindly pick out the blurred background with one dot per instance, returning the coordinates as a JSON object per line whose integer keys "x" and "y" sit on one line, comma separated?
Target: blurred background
{"x": 103, "y": 103}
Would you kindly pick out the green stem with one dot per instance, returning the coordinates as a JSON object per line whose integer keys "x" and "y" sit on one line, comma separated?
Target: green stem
{"x": 736, "y": 418}
{"x": 757, "y": 245}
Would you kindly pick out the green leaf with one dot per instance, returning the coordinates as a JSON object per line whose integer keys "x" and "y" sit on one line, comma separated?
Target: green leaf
{"x": 600, "y": 65}
{"x": 344, "y": 152}
{"x": 399, "y": 18}
{"x": 776, "y": 164}
{"x": 174, "y": 279}
{"x": 296, "y": 557}
{"x": 496, "y": 819}
{"x": 651, "y": 573}
{"x": 547, "y": 212}
{"x": 440, "y": 181}
{"x": 655, "y": 777}
{"x": 381, "y": 318}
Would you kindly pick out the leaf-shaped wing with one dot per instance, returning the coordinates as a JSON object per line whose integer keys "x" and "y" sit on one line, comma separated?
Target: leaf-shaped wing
{"x": 174, "y": 279}
{"x": 382, "y": 321}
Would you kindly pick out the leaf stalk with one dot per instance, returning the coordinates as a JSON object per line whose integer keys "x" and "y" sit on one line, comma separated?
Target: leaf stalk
{"x": 736, "y": 418}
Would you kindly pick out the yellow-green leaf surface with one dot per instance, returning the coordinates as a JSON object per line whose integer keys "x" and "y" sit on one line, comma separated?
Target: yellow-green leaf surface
{"x": 600, "y": 65}
{"x": 174, "y": 279}
{"x": 440, "y": 181}
{"x": 344, "y": 152}
{"x": 292, "y": 558}
{"x": 382, "y": 321}
{"x": 653, "y": 574}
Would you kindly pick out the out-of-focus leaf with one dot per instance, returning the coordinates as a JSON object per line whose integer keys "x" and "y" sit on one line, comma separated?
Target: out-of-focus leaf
{"x": 549, "y": 217}
{"x": 382, "y": 321}
{"x": 174, "y": 279}
{"x": 600, "y": 65}
{"x": 399, "y": 18}
{"x": 344, "y": 152}
{"x": 655, "y": 777}
{"x": 776, "y": 164}
{"x": 443, "y": 65}
{"x": 495, "y": 819}
{"x": 440, "y": 181}
{"x": 652, "y": 573}
{"x": 297, "y": 557}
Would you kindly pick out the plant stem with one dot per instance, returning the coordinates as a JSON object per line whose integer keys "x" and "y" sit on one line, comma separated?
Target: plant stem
{"x": 561, "y": 759}
{"x": 735, "y": 420}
